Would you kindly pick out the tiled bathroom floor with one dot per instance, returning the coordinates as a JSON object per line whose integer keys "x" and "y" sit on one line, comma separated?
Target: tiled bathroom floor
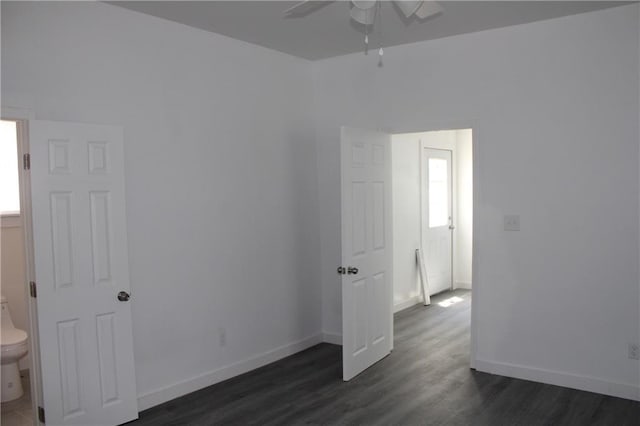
{"x": 18, "y": 412}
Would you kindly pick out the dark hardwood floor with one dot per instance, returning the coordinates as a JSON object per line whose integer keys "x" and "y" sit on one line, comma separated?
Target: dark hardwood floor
{"x": 425, "y": 381}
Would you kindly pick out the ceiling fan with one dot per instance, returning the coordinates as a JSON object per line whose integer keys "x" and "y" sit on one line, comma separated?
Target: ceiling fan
{"x": 364, "y": 11}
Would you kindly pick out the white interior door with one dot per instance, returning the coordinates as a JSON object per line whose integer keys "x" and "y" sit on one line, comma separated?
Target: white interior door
{"x": 367, "y": 292}
{"x": 437, "y": 224}
{"x": 81, "y": 265}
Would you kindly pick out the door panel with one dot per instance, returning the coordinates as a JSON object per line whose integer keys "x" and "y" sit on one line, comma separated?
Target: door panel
{"x": 81, "y": 263}
{"x": 367, "y": 295}
{"x": 437, "y": 218}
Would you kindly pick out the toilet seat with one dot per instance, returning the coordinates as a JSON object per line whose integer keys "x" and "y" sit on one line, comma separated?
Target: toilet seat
{"x": 12, "y": 336}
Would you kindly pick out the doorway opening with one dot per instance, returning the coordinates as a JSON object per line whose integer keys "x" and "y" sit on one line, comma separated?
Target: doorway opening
{"x": 18, "y": 374}
{"x": 432, "y": 176}
{"x": 385, "y": 211}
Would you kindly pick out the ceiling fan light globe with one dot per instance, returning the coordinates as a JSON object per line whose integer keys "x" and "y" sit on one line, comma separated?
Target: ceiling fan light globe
{"x": 408, "y": 7}
{"x": 364, "y": 4}
{"x": 364, "y": 17}
{"x": 428, "y": 8}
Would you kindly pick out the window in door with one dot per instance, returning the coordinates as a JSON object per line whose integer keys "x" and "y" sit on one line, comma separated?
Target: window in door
{"x": 438, "y": 193}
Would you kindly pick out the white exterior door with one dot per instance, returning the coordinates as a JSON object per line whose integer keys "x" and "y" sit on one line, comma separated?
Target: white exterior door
{"x": 367, "y": 292}
{"x": 437, "y": 225}
{"x": 81, "y": 265}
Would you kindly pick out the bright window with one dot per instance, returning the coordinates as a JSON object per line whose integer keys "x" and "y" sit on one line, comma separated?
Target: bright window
{"x": 438, "y": 193}
{"x": 9, "y": 186}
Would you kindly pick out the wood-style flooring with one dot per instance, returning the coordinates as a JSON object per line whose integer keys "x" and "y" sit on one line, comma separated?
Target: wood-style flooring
{"x": 425, "y": 381}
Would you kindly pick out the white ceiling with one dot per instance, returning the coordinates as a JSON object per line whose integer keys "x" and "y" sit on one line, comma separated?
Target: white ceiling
{"x": 328, "y": 31}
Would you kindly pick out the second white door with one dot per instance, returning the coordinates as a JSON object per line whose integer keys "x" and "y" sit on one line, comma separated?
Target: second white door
{"x": 367, "y": 290}
{"x": 437, "y": 221}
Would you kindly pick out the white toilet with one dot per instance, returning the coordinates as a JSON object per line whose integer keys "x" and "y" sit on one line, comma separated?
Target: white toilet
{"x": 14, "y": 347}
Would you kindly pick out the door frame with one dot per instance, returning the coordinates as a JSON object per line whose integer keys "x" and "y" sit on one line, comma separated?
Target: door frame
{"x": 461, "y": 124}
{"x": 22, "y": 116}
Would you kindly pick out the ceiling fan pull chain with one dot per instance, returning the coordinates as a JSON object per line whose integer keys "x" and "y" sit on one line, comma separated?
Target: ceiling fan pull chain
{"x": 366, "y": 39}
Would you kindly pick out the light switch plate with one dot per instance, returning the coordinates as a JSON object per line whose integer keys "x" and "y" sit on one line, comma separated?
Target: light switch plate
{"x": 512, "y": 222}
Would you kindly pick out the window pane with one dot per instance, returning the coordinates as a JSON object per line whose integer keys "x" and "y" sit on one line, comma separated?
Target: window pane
{"x": 9, "y": 187}
{"x": 438, "y": 193}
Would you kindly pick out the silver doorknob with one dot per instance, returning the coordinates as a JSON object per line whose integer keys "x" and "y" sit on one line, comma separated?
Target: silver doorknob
{"x": 341, "y": 270}
{"x": 123, "y": 296}
{"x": 352, "y": 270}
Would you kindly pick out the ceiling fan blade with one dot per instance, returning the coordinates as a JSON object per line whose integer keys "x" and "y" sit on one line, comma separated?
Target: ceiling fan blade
{"x": 304, "y": 8}
{"x": 428, "y": 8}
{"x": 364, "y": 4}
{"x": 408, "y": 7}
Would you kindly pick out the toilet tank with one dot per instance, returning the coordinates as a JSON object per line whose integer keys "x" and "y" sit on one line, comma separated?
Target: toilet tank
{"x": 5, "y": 319}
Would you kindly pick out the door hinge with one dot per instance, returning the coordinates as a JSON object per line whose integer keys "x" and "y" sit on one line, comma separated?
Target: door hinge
{"x": 32, "y": 289}
{"x": 26, "y": 161}
{"x": 41, "y": 414}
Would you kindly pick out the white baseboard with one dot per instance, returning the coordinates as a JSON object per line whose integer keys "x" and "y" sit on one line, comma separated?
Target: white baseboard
{"x": 585, "y": 383}
{"x": 462, "y": 284}
{"x": 414, "y": 300}
{"x": 333, "y": 338}
{"x": 167, "y": 393}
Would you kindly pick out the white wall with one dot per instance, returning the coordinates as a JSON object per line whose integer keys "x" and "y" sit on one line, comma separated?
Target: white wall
{"x": 12, "y": 279}
{"x": 406, "y": 157}
{"x": 405, "y": 169}
{"x": 220, "y": 136}
{"x": 463, "y": 233}
{"x": 554, "y": 108}
{"x": 221, "y": 202}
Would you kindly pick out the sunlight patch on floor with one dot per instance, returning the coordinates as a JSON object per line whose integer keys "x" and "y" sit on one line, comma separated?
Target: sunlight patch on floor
{"x": 450, "y": 301}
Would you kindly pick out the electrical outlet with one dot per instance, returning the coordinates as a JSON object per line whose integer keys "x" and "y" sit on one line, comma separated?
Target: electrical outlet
{"x": 634, "y": 351}
{"x": 222, "y": 336}
{"x": 512, "y": 222}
